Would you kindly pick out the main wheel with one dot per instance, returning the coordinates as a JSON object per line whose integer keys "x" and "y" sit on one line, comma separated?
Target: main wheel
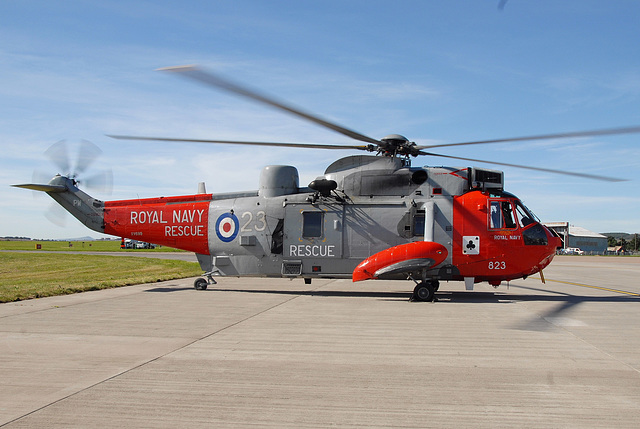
{"x": 200, "y": 284}
{"x": 424, "y": 291}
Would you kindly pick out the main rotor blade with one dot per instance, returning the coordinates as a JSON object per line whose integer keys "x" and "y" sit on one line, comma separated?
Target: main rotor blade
{"x": 196, "y": 73}
{"x": 546, "y": 170}
{"x": 602, "y": 132}
{"x": 369, "y": 148}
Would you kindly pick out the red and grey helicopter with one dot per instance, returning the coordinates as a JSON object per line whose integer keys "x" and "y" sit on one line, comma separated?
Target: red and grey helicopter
{"x": 367, "y": 217}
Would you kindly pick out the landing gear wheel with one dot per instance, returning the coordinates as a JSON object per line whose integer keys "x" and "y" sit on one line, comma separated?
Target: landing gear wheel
{"x": 200, "y": 284}
{"x": 424, "y": 291}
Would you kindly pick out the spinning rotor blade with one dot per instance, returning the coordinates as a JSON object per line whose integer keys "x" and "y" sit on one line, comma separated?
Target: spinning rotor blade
{"x": 196, "y": 73}
{"x": 393, "y": 145}
{"x": 369, "y": 148}
{"x": 546, "y": 170}
{"x": 88, "y": 153}
{"x": 603, "y": 132}
{"x": 56, "y": 215}
{"x": 59, "y": 155}
{"x": 101, "y": 182}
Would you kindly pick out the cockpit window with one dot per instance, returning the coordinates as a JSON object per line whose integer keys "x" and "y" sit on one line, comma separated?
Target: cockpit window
{"x": 495, "y": 215}
{"x": 524, "y": 216}
{"x": 501, "y": 215}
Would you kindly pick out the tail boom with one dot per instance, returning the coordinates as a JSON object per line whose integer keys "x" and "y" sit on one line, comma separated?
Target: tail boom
{"x": 181, "y": 222}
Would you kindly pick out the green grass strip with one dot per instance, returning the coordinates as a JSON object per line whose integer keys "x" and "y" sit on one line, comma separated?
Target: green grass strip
{"x": 35, "y": 275}
{"x": 82, "y": 246}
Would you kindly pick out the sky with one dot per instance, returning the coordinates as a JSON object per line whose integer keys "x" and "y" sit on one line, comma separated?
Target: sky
{"x": 434, "y": 71}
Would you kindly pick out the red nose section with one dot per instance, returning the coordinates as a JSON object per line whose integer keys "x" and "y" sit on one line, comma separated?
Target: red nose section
{"x": 400, "y": 259}
{"x": 555, "y": 243}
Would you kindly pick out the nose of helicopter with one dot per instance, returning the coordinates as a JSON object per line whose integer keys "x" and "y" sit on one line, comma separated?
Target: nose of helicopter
{"x": 553, "y": 243}
{"x": 554, "y": 240}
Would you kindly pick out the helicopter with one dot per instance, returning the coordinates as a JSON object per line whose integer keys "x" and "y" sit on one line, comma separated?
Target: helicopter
{"x": 369, "y": 216}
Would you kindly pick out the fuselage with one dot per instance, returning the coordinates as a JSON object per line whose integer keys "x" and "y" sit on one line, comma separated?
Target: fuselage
{"x": 378, "y": 203}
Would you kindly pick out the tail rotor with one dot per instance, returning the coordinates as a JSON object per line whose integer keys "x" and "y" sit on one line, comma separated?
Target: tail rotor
{"x": 59, "y": 155}
{"x": 88, "y": 153}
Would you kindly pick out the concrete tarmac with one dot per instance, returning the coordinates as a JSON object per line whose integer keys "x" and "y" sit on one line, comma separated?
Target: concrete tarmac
{"x": 279, "y": 353}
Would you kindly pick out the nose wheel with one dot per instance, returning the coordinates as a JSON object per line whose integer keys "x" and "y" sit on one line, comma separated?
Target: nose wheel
{"x": 425, "y": 291}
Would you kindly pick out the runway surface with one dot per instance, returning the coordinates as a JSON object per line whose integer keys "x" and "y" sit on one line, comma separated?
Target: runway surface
{"x": 279, "y": 353}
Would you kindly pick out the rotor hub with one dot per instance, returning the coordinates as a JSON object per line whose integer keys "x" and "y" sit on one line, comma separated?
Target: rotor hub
{"x": 395, "y": 137}
{"x": 396, "y": 144}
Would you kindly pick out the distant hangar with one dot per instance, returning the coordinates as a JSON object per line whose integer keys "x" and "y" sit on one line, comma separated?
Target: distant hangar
{"x": 590, "y": 242}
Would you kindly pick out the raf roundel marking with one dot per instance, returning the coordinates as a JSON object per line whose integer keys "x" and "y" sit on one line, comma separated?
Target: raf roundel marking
{"x": 227, "y": 227}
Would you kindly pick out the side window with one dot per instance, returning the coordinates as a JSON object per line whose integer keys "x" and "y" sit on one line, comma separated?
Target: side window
{"x": 312, "y": 224}
{"x": 508, "y": 215}
{"x": 495, "y": 215}
{"x": 501, "y": 215}
{"x": 278, "y": 238}
{"x": 418, "y": 224}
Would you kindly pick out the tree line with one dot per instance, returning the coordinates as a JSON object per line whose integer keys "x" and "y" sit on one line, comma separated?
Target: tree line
{"x": 629, "y": 244}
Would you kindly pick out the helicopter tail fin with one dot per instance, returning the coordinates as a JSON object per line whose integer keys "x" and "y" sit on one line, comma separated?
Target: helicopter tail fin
{"x": 82, "y": 206}
{"x": 41, "y": 187}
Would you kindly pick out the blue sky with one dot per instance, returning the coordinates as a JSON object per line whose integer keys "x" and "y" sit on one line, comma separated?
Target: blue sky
{"x": 435, "y": 71}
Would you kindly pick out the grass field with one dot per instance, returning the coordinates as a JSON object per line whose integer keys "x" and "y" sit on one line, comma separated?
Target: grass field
{"x": 35, "y": 275}
{"x": 93, "y": 246}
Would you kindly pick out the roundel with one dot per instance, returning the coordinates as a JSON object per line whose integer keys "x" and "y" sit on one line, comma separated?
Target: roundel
{"x": 227, "y": 227}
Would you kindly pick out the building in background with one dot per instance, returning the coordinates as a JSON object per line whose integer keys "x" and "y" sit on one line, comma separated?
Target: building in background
{"x": 591, "y": 243}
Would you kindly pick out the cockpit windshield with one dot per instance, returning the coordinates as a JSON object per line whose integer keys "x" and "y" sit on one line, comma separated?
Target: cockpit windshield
{"x": 526, "y": 211}
{"x": 524, "y": 216}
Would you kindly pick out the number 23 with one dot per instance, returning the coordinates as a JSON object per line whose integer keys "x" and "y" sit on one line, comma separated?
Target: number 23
{"x": 260, "y": 224}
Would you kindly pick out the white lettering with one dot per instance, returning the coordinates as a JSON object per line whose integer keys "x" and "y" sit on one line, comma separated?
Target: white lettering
{"x": 187, "y": 216}
{"x": 506, "y": 237}
{"x": 147, "y": 217}
{"x": 497, "y": 265}
{"x": 184, "y": 231}
{"x": 322, "y": 251}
